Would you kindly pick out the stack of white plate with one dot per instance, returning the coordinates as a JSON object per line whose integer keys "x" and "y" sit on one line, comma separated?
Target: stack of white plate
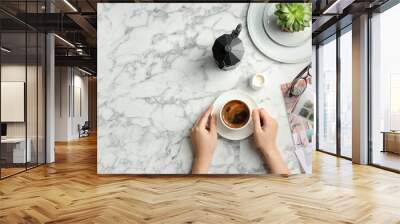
{"x": 278, "y": 45}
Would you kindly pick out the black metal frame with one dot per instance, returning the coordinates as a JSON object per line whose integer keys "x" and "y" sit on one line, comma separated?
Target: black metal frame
{"x": 0, "y": 88}
{"x": 338, "y": 96}
{"x": 369, "y": 82}
{"x": 44, "y": 78}
{"x": 316, "y": 97}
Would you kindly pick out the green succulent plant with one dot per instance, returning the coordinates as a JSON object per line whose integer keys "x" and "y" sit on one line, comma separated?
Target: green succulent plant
{"x": 293, "y": 17}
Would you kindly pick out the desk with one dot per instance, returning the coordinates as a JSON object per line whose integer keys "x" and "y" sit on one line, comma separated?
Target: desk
{"x": 156, "y": 75}
{"x": 13, "y": 150}
{"x": 391, "y": 141}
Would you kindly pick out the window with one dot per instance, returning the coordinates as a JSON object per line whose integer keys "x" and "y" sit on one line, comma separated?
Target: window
{"x": 327, "y": 97}
{"x": 385, "y": 89}
{"x": 334, "y": 137}
{"x": 346, "y": 94}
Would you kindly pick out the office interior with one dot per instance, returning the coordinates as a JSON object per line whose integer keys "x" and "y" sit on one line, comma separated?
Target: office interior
{"x": 45, "y": 98}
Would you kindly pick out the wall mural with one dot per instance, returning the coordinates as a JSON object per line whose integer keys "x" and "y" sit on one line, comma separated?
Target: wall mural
{"x": 204, "y": 88}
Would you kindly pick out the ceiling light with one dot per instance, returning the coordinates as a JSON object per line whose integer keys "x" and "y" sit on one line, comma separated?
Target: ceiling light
{"x": 64, "y": 40}
{"x": 331, "y": 7}
{"x": 79, "y": 51}
{"x": 5, "y": 50}
{"x": 84, "y": 71}
{"x": 337, "y": 7}
{"x": 70, "y": 5}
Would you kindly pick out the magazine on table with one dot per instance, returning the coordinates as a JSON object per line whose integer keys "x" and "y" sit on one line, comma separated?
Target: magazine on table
{"x": 300, "y": 111}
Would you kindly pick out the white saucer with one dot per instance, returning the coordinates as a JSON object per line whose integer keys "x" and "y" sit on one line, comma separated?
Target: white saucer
{"x": 283, "y": 38}
{"x": 269, "y": 47}
{"x": 220, "y": 101}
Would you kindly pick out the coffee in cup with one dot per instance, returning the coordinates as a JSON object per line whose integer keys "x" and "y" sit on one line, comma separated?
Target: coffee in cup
{"x": 235, "y": 114}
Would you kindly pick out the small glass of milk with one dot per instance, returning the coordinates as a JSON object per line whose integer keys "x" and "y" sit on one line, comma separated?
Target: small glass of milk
{"x": 257, "y": 81}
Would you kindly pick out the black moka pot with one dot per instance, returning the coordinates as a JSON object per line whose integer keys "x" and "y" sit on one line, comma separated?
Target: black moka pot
{"x": 228, "y": 49}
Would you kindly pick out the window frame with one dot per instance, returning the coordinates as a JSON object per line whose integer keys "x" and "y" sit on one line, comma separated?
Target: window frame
{"x": 334, "y": 37}
{"x": 381, "y": 9}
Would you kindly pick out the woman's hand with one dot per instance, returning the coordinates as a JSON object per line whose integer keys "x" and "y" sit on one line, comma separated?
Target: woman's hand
{"x": 265, "y": 133}
{"x": 204, "y": 141}
{"x": 265, "y": 130}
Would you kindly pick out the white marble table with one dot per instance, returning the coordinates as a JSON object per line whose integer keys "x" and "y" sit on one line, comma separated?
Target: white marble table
{"x": 156, "y": 75}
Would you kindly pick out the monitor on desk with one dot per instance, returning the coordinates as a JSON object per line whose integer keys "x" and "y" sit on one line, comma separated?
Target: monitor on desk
{"x": 3, "y": 130}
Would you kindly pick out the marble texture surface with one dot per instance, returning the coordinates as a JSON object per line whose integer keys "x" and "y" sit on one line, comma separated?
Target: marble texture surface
{"x": 156, "y": 75}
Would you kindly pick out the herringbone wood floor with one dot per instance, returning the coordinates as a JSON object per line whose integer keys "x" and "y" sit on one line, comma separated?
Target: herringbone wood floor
{"x": 70, "y": 191}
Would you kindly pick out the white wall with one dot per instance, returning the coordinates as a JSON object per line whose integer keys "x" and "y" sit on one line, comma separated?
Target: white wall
{"x": 62, "y": 81}
{"x": 70, "y": 83}
{"x": 79, "y": 117}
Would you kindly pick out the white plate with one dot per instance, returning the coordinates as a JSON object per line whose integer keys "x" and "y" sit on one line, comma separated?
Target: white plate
{"x": 275, "y": 33}
{"x": 224, "y": 98}
{"x": 269, "y": 47}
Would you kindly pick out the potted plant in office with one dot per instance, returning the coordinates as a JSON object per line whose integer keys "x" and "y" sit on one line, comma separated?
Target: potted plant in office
{"x": 293, "y": 17}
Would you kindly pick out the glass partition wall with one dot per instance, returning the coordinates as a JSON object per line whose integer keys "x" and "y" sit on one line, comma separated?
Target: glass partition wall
{"x": 13, "y": 86}
{"x": 22, "y": 77}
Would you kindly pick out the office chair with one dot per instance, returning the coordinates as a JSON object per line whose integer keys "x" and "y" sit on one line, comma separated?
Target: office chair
{"x": 84, "y": 130}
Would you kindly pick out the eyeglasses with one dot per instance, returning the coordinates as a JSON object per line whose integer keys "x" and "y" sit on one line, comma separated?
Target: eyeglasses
{"x": 300, "y": 82}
